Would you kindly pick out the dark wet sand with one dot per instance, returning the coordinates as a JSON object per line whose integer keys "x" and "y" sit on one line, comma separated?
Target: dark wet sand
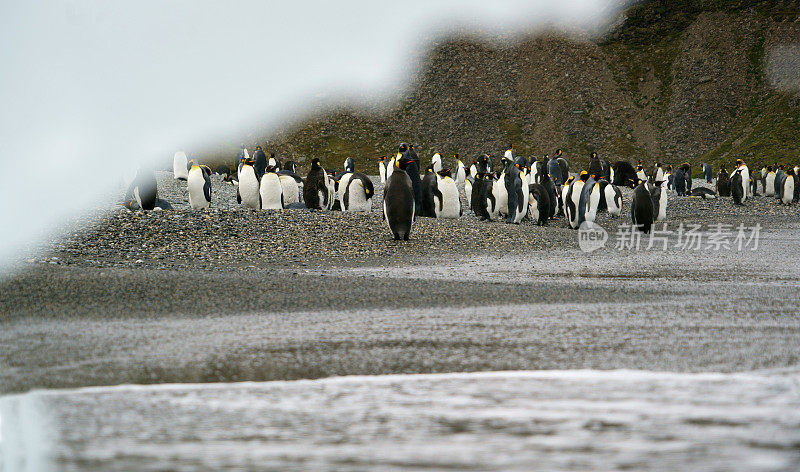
{"x": 305, "y": 300}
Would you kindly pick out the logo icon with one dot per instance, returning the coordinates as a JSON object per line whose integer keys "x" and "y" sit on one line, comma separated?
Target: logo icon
{"x": 591, "y": 236}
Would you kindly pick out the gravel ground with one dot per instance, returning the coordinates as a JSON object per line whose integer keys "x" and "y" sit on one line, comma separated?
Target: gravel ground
{"x": 235, "y": 294}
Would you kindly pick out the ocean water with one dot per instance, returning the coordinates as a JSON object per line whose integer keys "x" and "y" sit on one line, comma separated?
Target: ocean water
{"x": 521, "y": 420}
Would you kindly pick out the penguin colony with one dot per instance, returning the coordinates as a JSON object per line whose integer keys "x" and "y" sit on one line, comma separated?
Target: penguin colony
{"x": 516, "y": 189}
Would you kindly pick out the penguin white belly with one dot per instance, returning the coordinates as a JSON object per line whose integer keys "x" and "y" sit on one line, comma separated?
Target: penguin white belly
{"x": 640, "y": 174}
{"x": 390, "y": 168}
{"x": 662, "y": 206}
{"x": 179, "y": 166}
{"x": 272, "y": 162}
{"x": 610, "y": 176}
{"x": 577, "y": 188}
{"x": 291, "y": 191}
{"x": 593, "y": 203}
{"x": 343, "y": 182}
{"x": 468, "y": 192}
{"x": 248, "y": 187}
{"x": 659, "y": 175}
{"x": 196, "y": 182}
{"x": 788, "y": 190}
{"x": 437, "y": 162}
{"x": 613, "y": 203}
{"x": 331, "y": 187}
{"x": 500, "y": 197}
{"x": 534, "y": 173}
{"x": 461, "y": 173}
{"x": 769, "y": 190}
{"x": 382, "y": 172}
{"x": 745, "y": 183}
{"x": 525, "y": 199}
{"x": 357, "y": 199}
{"x": 451, "y": 203}
{"x": 271, "y": 192}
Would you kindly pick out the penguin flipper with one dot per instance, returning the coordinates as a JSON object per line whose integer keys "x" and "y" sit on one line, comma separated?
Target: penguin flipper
{"x": 238, "y": 196}
{"x": 207, "y": 190}
{"x": 438, "y": 194}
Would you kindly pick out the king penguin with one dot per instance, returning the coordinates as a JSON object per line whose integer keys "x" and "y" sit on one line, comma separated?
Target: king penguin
{"x": 659, "y": 196}
{"x": 436, "y": 162}
{"x": 573, "y": 198}
{"x": 769, "y": 182}
{"x": 356, "y": 192}
{"x": 708, "y": 173}
{"x": 398, "y": 201}
{"x": 144, "y": 189}
{"x": 349, "y": 165}
{"x": 199, "y": 185}
{"x": 723, "y": 183}
{"x": 745, "y": 173}
{"x": 247, "y": 191}
{"x": 180, "y": 167}
{"x": 787, "y": 187}
{"x": 430, "y": 189}
{"x": 316, "y": 189}
{"x": 271, "y": 190}
{"x": 259, "y": 161}
{"x": 517, "y": 204}
{"x": 448, "y": 202}
{"x": 737, "y": 187}
{"x": 382, "y": 169}
{"x": 461, "y": 171}
{"x": 642, "y": 208}
{"x": 613, "y": 199}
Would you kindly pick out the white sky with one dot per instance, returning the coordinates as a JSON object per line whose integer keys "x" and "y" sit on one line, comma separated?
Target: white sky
{"x": 90, "y": 88}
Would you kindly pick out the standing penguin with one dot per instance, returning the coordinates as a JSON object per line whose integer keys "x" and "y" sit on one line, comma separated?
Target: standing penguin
{"x": 708, "y": 173}
{"x": 659, "y": 195}
{"x": 483, "y": 202}
{"x": 180, "y": 167}
{"x": 356, "y": 191}
{"x": 538, "y": 204}
{"x": 595, "y": 202}
{"x": 430, "y": 190}
{"x": 595, "y": 167}
{"x": 260, "y": 161}
{"x": 737, "y": 188}
{"x": 274, "y": 162}
{"x": 436, "y": 162}
{"x": 499, "y": 189}
{"x": 658, "y": 173}
{"x": 406, "y": 152}
{"x": 640, "y": 173}
{"x": 552, "y": 196}
{"x": 613, "y": 198}
{"x": 769, "y": 182}
{"x": 779, "y": 175}
{"x": 562, "y": 164}
{"x": 669, "y": 178}
{"x": 745, "y": 172}
{"x": 349, "y": 165}
{"x": 517, "y": 205}
{"x": 199, "y": 185}
{"x": 448, "y": 203}
{"x": 723, "y": 183}
{"x": 316, "y": 188}
{"x": 271, "y": 190}
{"x": 555, "y": 171}
{"x": 461, "y": 171}
{"x": 289, "y": 166}
{"x": 584, "y": 200}
{"x": 624, "y": 175}
{"x": 562, "y": 200}
{"x": 469, "y": 180}
{"x": 642, "y": 208}
{"x": 573, "y": 198}
{"x": 249, "y": 182}
{"x": 788, "y": 187}
{"x": 382, "y": 169}
{"x": 144, "y": 189}
{"x": 289, "y": 187}
{"x": 679, "y": 181}
{"x": 390, "y": 166}
{"x": 398, "y": 201}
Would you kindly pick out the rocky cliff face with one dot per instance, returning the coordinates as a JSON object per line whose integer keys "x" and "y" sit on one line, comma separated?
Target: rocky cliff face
{"x": 668, "y": 84}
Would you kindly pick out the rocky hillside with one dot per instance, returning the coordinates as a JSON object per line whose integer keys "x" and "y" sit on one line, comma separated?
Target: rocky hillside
{"x": 695, "y": 80}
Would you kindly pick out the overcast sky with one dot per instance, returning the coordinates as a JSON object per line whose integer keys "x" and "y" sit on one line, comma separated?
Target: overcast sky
{"x": 89, "y": 88}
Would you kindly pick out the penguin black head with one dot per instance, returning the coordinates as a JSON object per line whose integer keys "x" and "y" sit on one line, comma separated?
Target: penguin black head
{"x": 382, "y": 158}
{"x": 584, "y": 176}
{"x": 658, "y": 164}
{"x": 258, "y": 148}
{"x": 669, "y": 168}
{"x": 457, "y": 157}
{"x": 403, "y": 161}
{"x": 558, "y": 152}
{"x": 594, "y": 155}
{"x": 445, "y": 173}
{"x": 403, "y": 148}
{"x": 547, "y": 157}
{"x": 248, "y": 161}
{"x": 429, "y": 169}
{"x": 569, "y": 180}
{"x": 790, "y": 171}
{"x": 315, "y": 163}
{"x": 769, "y": 168}
{"x": 271, "y": 169}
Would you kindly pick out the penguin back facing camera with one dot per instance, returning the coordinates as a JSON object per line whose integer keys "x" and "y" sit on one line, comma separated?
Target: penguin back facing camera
{"x": 398, "y": 200}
